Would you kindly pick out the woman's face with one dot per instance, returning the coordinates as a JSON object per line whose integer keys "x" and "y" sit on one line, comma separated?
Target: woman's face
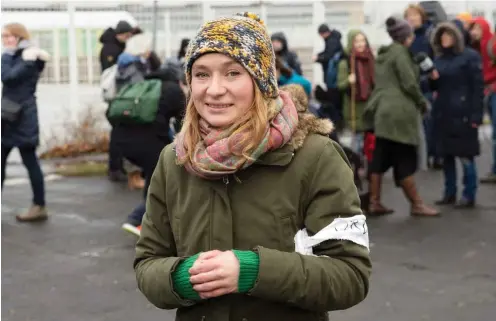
{"x": 8, "y": 39}
{"x": 476, "y": 32}
{"x": 221, "y": 89}
{"x": 447, "y": 40}
{"x": 414, "y": 18}
{"x": 277, "y": 45}
{"x": 360, "y": 43}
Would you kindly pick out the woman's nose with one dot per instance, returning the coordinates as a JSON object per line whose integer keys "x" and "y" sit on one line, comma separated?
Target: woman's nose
{"x": 216, "y": 87}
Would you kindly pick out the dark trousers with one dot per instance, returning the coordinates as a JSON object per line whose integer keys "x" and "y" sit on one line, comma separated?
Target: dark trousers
{"x": 144, "y": 155}
{"x": 30, "y": 161}
{"x": 116, "y": 161}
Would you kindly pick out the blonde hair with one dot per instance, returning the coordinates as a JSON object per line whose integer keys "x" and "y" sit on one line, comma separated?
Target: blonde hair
{"x": 17, "y": 30}
{"x": 254, "y": 122}
{"x": 418, "y": 9}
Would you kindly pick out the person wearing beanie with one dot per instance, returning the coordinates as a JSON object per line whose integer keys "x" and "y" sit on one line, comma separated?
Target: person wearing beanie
{"x": 466, "y": 18}
{"x": 249, "y": 169}
{"x": 394, "y": 112}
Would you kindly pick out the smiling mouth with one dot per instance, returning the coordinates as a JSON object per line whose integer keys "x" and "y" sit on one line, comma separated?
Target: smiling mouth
{"x": 219, "y": 106}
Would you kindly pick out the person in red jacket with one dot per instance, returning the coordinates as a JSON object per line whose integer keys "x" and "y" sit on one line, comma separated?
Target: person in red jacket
{"x": 484, "y": 41}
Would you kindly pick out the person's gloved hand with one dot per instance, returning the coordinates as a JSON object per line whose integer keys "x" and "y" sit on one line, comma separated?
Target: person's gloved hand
{"x": 34, "y": 53}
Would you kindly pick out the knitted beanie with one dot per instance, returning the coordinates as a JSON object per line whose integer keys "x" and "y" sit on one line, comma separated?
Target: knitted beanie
{"x": 245, "y": 39}
{"x": 398, "y": 29}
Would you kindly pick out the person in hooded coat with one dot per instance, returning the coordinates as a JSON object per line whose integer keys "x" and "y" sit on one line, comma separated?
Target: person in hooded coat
{"x": 362, "y": 77}
{"x": 481, "y": 35}
{"x": 281, "y": 48}
{"x": 22, "y": 65}
{"x": 457, "y": 110}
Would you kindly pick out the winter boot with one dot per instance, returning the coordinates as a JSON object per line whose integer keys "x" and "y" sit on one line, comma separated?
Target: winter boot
{"x": 35, "y": 213}
{"x": 375, "y": 206}
{"x": 418, "y": 207}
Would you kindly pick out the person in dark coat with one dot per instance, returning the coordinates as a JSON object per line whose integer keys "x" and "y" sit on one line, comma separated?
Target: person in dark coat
{"x": 422, "y": 28}
{"x": 332, "y": 39}
{"x": 22, "y": 64}
{"x": 457, "y": 110}
{"x": 281, "y": 48}
{"x": 114, "y": 43}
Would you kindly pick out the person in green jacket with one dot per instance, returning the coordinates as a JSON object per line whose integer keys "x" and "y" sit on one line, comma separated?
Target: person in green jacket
{"x": 393, "y": 112}
{"x": 252, "y": 213}
{"x": 358, "y": 55}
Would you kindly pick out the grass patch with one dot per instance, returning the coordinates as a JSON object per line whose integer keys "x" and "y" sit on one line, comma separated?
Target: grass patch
{"x": 82, "y": 169}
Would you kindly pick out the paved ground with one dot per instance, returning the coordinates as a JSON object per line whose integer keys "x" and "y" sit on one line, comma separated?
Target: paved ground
{"x": 77, "y": 266}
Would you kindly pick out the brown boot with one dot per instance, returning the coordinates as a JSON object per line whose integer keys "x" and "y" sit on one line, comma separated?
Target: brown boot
{"x": 135, "y": 181}
{"x": 418, "y": 206}
{"x": 375, "y": 206}
{"x": 35, "y": 213}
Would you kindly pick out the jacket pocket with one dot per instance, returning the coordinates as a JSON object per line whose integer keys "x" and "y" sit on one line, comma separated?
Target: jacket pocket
{"x": 287, "y": 228}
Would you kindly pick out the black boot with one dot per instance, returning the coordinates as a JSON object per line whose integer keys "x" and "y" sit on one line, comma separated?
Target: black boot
{"x": 447, "y": 200}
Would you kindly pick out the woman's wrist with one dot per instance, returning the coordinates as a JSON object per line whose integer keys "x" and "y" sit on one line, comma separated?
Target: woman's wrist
{"x": 249, "y": 263}
{"x": 181, "y": 279}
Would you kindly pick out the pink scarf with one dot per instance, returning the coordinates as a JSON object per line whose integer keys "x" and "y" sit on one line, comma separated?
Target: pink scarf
{"x": 213, "y": 158}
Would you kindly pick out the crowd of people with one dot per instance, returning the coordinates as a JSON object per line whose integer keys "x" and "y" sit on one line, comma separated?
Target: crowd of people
{"x": 432, "y": 85}
{"x": 239, "y": 157}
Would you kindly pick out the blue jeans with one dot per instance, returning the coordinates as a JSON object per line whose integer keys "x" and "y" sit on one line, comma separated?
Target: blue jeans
{"x": 30, "y": 161}
{"x": 137, "y": 214}
{"x": 469, "y": 177}
{"x": 492, "y": 106}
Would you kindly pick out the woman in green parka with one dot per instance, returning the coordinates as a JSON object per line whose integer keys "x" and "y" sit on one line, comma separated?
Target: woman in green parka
{"x": 359, "y": 56}
{"x": 249, "y": 169}
{"x": 393, "y": 112}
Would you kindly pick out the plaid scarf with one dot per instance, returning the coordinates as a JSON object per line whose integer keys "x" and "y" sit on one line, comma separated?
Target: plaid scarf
{"x": 215, "y": 156}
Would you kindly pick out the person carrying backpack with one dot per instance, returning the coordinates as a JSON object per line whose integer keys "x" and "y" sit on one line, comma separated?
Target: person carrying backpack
{"x": 333, "y": 46}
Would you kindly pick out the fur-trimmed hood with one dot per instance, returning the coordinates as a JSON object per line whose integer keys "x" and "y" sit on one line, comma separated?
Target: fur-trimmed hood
{"x": 453, "y": 29}
{"x": 307, "y": 122}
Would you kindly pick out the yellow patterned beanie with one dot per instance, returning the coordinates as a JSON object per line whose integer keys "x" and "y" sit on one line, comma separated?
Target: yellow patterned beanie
{"x": 245, "y": 39}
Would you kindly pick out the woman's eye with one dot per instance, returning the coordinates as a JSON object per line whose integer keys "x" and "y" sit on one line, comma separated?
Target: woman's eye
{"x": 201, "y": 75}
{"x": 233, "y": 73}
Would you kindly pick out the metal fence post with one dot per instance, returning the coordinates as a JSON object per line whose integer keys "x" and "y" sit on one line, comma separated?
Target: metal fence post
{"x": 318, "y": 17}
{"x": 73, "y": 58}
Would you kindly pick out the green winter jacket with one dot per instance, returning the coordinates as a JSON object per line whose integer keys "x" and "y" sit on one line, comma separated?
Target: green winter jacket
{"x": 344, "y": 87}
{"x": 394, "y": 109}
{"x": 305, "y": 184}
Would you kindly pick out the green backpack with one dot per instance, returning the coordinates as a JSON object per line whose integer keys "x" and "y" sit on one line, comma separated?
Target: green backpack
{"x": 136, "y": 103}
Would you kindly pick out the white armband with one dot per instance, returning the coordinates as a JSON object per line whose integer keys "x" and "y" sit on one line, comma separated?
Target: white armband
{"x": 353, "y": 229}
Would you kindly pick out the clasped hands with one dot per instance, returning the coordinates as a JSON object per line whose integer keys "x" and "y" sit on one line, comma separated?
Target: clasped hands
{"x": 215, "y": 273}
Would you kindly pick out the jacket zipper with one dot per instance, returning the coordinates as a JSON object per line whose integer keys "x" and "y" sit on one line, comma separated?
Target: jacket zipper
{"x": 225, "y": 179}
